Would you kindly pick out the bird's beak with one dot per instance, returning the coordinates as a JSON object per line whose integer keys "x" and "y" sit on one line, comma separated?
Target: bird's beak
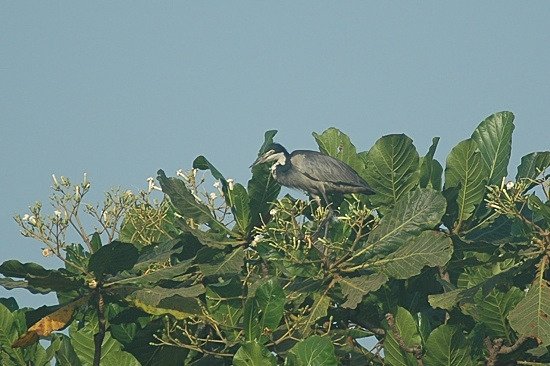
{"x": 261, "y": 159}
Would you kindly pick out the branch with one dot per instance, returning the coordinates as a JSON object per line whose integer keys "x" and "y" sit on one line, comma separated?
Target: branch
{"x": 416, "y": 349}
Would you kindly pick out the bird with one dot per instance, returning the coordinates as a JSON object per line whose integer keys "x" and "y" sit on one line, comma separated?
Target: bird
{"x": 313, "y": 172}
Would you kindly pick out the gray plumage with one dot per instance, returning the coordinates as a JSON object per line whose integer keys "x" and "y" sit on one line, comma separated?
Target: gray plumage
{"x": 313, "y": 172}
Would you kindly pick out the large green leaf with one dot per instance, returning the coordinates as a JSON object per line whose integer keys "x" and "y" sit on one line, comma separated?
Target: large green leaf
{"x": 185, "y": 203}
{"x": 447, "y": 345}
{"x": 354, "y": 288}
{"x": 430, "y": 248}
{"x": 413, "y": 213}
{"x": 407, "y": 330}
{"x": 215, "y": 263}
{"x": 335, "y": 143}
{"x": 271, "y": 301}
{"x": 262, "y": 189}
{"x": 179, "y": 302}
{"x": 313, "y": 351}
{"x": 494, "y": 140}
{"x": 113, "y": 258}
{"x": 533, "y": 164}
{"x": 66, "y": 355}
{"x": 222, "y": 303}
{"x": 430, "y": 169}
{"x": 111, "y": 354}
{"x": 392, "y": 168}
{"x": 251, "y": 327}
{"x": 466, "y": 172}
{"x": 240, "y": 207}
{"x": 38, "y": 279}
{"x": 492, "y": 310}
{"x": 8, "y": 334}
{"x": 531, "y": 316}
{"x": 254, "y": 354}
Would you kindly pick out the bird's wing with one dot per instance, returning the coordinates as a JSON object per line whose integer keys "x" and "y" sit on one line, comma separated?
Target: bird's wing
{"x": 324, "y": 168}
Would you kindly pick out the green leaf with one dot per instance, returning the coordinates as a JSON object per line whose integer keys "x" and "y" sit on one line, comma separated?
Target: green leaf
{"x": 447, "y": 345}
{"x": 222, "y": 303}
{"x": 66, "y": 355}
{"x": 392, "y": 168}
{"x": 216, "y": 263}
{"x": 319, "y": 308}
{"x": 185, "y": 203}
{"x": 262, "y": 189}
{"x": 254, "y": 354}
{"x": 466, "y": 171}
{"x": 82, "y": 341}
{"x": 8, "y": 334}
{"x": 335, "y": 143}
{"x": 251, "y": 327}
{"x": 413, "y": 213}
{"x": 313, "y": 351}
{"x": 203, "y": 164}
{"x": 493, "y": 137}
{"x": 40, "y": 280}
{"x": 540, "y": 208}
{"x": 430, "y": 169}
{"x": 271, "y": 301}
{"x": 531, "y": 316}
{"x": 354, "y": 288}
{"x": 407, "y": 330}
{"x": 113, "y": 258}
{"x": 179, "y": 302}
{"x": 493, "y": 309}
{"x": 532, "y": 165}
{"x": 95, "y": 242}
{"x": 239, "y": 202}
{"x": 430, "y": 248}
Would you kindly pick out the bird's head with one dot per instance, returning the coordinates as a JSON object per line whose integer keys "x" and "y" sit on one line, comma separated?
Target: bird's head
{"x": 273, "y": 152}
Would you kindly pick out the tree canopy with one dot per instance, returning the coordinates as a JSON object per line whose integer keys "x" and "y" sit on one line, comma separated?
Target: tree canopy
{"x": 443, "y": 265}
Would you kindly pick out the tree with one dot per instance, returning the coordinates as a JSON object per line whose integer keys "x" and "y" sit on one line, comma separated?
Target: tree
{"x": 441, "y": 266}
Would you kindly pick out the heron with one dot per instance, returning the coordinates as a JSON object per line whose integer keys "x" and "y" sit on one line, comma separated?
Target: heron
{"x": 311, "y": 171}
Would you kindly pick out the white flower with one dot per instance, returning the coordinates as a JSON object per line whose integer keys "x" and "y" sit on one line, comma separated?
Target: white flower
{"x": 55, "y": 180}
{"x": 25, "y": 217}
{"x": 273, "y": 211}
{"x": 32, "y": 220}
{"x": 57, "y": 213}
{"x": 509, "y": 185}
{"x": 46, "y": 252}
{"x": 230, "y": 183}
{"x": 213, "y": 196}
{"x": 217, "y": 185}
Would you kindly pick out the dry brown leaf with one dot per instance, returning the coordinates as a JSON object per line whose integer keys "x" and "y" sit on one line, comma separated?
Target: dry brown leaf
{"x": 45, "y": 326}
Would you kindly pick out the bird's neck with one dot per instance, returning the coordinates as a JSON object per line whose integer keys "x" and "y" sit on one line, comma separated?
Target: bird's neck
{"x": 282, "y": 163}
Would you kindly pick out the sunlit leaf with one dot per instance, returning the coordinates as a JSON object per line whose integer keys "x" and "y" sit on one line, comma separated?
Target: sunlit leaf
{"x": 8, "y": 333}
{"x": 430, "y": 248}
{"x": 407, "y": 330}
{"x": 447, "y": 345}
{"x": 50, "y": 323}
{"x": 531, "y": 316}
{"x": 494, "y": 140}
{"x": 271, "y": 300}
{"x": 215, "y": 263}
{"x": 392, "y": 168}
{"x": 415, "y": 212}
{"x": 335, "y": 143}
{"x": 354, "y": 288}
{"x": 185, "y": 203}
{"x": 493, "y": 309}
{"x": 312, "y": 351}
{"x": 239, "y": 202}
{"x": 254, "y": 354}
{"x": 466, "y": 171}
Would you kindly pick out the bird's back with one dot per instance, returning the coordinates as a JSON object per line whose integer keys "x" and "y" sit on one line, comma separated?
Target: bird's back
{"x": 334, "y": 174}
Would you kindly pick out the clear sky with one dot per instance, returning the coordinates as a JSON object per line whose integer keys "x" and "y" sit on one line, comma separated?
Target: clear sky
{"x": 121, "y": 89}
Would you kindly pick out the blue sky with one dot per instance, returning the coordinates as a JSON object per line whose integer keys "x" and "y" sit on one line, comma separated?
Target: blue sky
{"x": 121, "y": 89}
